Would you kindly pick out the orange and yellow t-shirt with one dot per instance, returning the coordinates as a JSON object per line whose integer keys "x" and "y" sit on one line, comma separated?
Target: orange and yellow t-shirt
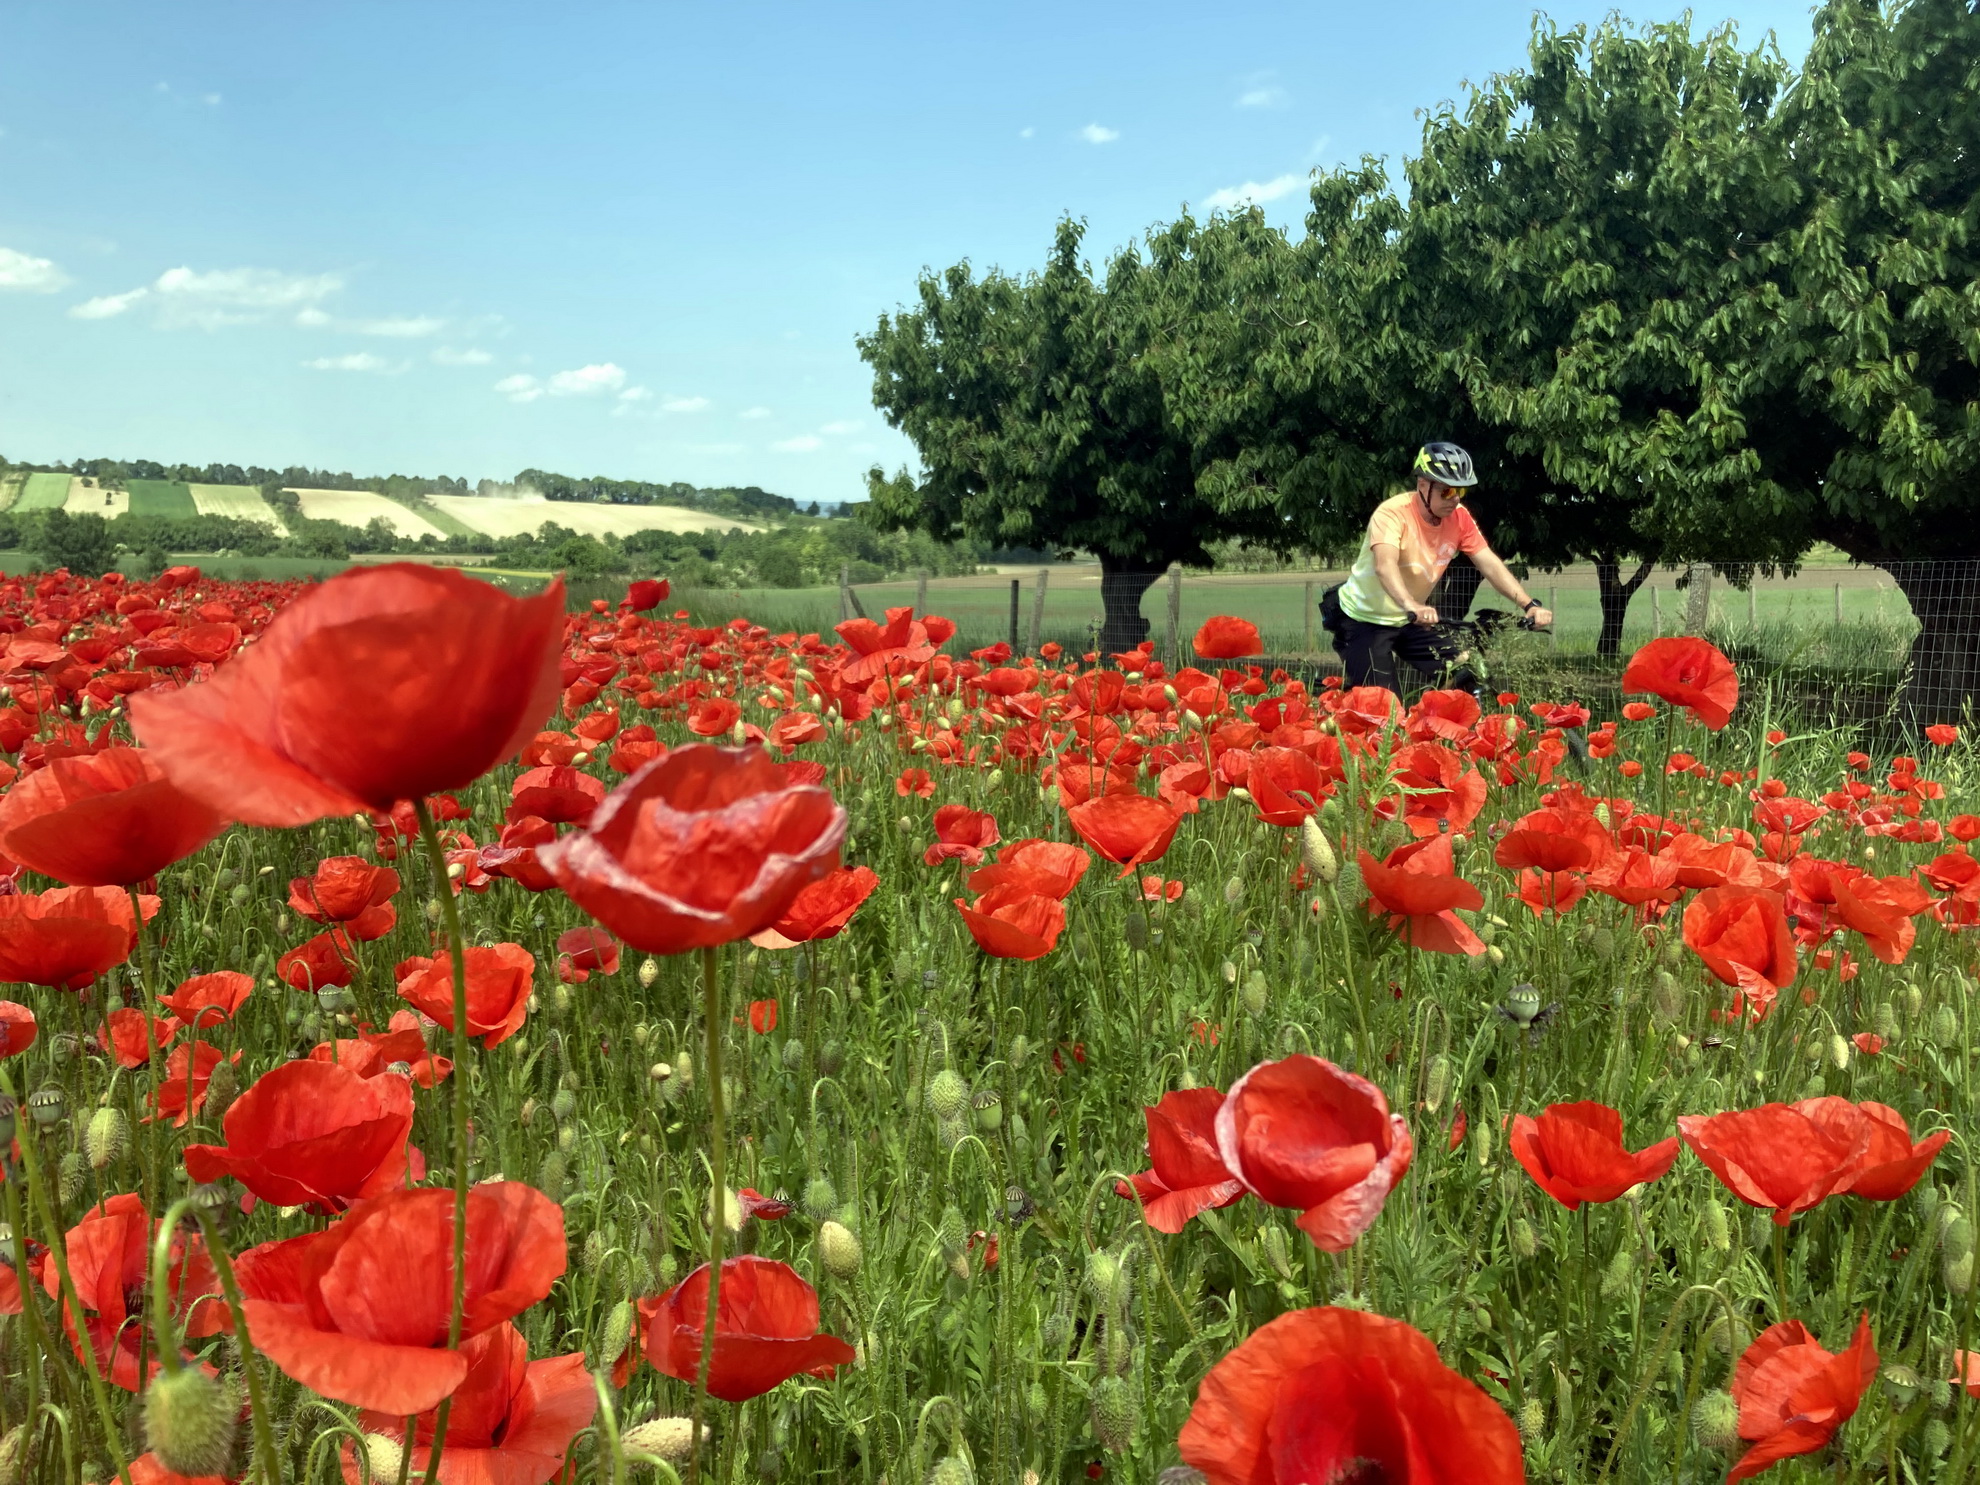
{"x": 1424, "y": 551}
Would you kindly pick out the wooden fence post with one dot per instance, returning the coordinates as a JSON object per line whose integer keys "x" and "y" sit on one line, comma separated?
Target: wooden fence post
{"x": 1016, "y": 585}
{"x": 1698, "y": 600}
{"x": 1308, "y": 608}
{"x": 1656, "y": 610}
{"x": 1752, "y": 605}
{"x": 845, "y": 591}
{"x": 1838, "y": 605}
{"x": 921, "y": 593}
{"x": 1175, "y": 616}
{"x": 1038, "y": 607}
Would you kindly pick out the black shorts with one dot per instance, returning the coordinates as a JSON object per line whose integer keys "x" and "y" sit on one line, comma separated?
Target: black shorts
{"x": 1369, "y": 652}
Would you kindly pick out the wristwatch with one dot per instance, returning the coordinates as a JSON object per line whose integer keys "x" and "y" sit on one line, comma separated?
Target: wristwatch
{"x": 1529, "y": 606}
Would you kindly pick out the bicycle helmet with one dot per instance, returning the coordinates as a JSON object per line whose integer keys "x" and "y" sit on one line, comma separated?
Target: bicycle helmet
{"x": 1445, "y": 463}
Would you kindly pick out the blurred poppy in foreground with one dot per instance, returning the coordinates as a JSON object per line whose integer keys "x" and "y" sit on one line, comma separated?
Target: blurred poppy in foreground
{"x": 1188, "y": 1174}
{"x": 1344, "y": 1395}
{"x": 1793, "y": 1395}
{"x": 1302, "y": 1133}
{"x": 766, "y": 1330}
{"x": 512, "y": 1421}
{"x": 17, "y": 1028}
{"x": 1574, "y": 1151}
{"x": 104, "y": 819}
{"x": 385, "y": 683}
{"x": 703, "y": 847}
{"x": 359, "y": 1311}
{"x": 66, "y": 937}
{"x": 1686, "y": 672}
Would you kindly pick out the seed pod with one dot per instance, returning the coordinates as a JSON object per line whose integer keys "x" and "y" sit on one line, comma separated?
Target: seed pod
{"x": 1620, "y": 1277}
{"x": 948, "y": 1094}
{"x": 72, "y": 1176}
{"x": 1316, "y": 852}
{"x": 989, "y": 1110}
{"x": 1253, "y": 994}
{"x": 1945, "y": 1025}
{"x": 1715, "y": 1421}
{"x": 838, "y": 1250}
{"x": 952, "y": 1469}
{"x": 47, "y": 1106}
{"x": 1532, "y": 1420}
{"x": 189, "y": 1421}
{"x": 1525, "y": 1241}
{"x": 1437, "y": 1082}
{"x": 106, "y": 1138}
{"x": 1116, "y": 1413}
{"x": 550, "y": 1176}
{"x": 1666, "y": 997}
{"x": 1839, "y": 1050}
{"x": 1717, "y": 1233}
{"x": 671, "y": 1439}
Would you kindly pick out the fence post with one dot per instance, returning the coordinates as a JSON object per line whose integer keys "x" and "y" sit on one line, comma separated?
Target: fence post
{"x": 845, "y": 591}
{"x": 1698, "y": 604}
{"x": 1752, "y": 605}
{"x": 1038, "y": 607}
{"x": 1656, "y": 611}
{"x": 1308, "y": 608}
{"x": 1838, "y": 605}
{"x": 1175, "y": 616}
{"x": 921, "y": 593}
{"x": 1553, "y": 629}
{"x": 1017, "y": 585}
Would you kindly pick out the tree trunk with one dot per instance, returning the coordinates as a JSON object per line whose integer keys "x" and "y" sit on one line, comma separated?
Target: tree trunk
{"x": 1121, "y": 585}
{"x": 1698, "y": 598}
{"x": 1455, "y": 590}
{"x": 1615, "y": 594}
{"x": 1944, "y": 666}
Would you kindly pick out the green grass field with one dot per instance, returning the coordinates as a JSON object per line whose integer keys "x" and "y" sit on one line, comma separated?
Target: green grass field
{"x": 237, "y": 502}
{"x": 43, "y": 492}
{"x": 167, "y": 498}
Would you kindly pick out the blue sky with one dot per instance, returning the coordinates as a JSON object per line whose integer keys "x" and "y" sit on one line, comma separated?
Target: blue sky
{"x": 634, "y": 240}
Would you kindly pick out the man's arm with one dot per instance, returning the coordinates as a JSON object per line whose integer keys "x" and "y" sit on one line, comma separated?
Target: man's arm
{"x": 1388, "y": 570}
{"x": 1500, "y": 576}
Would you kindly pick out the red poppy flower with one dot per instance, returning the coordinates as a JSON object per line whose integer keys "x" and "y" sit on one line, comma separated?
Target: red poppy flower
{"x": 1012, "y": 922}
{"x": 914, "y": 781}
{"x": 181, "y": 1092}
{"x": 103, "y": 819}
{"x": 385, "y": 683}
{"x": 1944, "y": 734}
{"x": 341, "y": 888}
{"x": 583, "y": 951}
{"x": 359, "y": 1312}
{"x": 1553, "y": 841}
{"x": 1574, "y": 1151}
{"x": 1286, "y": 786}
{"x": 17, "y": 1029}
{"x": 1882, "y": 909}
{"x": 1776, "y": 1157}
{"x": 1189, "y": 1175}
{"x": 1132, "y": 829}
{"x": 961, "y": 834}
{"x": 1890, "y": 1164}
{"x": 67, "y": 937}
{"x": 109, "y": 1258}
{"x": 559, "y": 794}
{"x": 1701, "y": 863}
{"x": 1441, "y": 793}
{"x": 703, "y": 847}
{"x": 313, "y": 1134}
{"x": 1334, "y": 1394}
{"x": 821, "y": 910}
{"x": 1793, "y": 1395}
{"x": 498, "y": 985}
{"x": 514, "y": 854}
{"x": 763, "y": 1016}
{"x": 1225, "y": 638}
{"x": 1154, "y": 889}
{"x": 123, "y": 1036}
{"x": 1742, "y": 935}
{"x": 1049, "y": 868}
{"x": 1634, "y": 876}
{"x": 1686, "y": 672}
{"x": 1546, "y": 892}
{"x": 146, "y": 1470}
{"x": 322, "y": 961}
{"x": 643, "y": 595}
{"x": 511, "y": 1422}
{"x": 766, "y": 1330}
{"x": 209, "y": 999}
{"x": 370, "y": 1053}
{"x": 1446, "y": 714}
{"x": 1416, "y": 887}
{"x": 1302, "y": 1133}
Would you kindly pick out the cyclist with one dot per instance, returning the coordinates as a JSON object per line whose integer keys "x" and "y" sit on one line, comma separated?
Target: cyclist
{"x": 1380, "y": 614}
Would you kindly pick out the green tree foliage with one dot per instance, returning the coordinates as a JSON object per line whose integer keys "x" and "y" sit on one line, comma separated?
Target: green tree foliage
{"x": 83, "y": 544}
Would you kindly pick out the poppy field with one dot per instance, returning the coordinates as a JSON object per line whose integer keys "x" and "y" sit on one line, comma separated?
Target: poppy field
{"x": 448, "y": 1037}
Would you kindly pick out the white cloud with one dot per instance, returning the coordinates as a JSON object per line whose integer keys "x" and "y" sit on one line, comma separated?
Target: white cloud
{"x": 107, "y": 306}
{"x": 1253, "y": 191}
{"x": 1026, "y": 132}
{"x": 587, "y": 381}
{"x": 31, "y": 275}
{"x": 400, "y": 327}
{"x": 636, "y": 394}
{"x": 232, "y": 296}
{"x": 684, "y": 404}
{"x": 845, "y": 425}
{"x": 520, "y": 388}
{"x": 1099, "y": 134}
{"x": 751, "y": 414}
{"x": 313, "y": 319}
{"x": 355, "y": 361}
{"x": 1263, "y": 97}
{"x": 211, "y": 100}
{"x": 1320, "y": 145}
{"x": 804, "y": 443}
{"x": 472, "y": 356}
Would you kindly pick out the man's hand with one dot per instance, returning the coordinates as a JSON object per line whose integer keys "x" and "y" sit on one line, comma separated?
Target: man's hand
{"x": 1423, "y": 614}
{"x": 1542, "y": 617}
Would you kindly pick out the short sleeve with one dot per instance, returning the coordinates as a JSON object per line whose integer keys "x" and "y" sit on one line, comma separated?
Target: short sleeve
{"x": 1470, "y": 538}
{"x": 1386, "y": 525}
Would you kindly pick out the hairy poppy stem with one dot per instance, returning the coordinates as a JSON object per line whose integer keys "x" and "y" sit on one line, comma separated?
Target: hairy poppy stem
{"x": 154, "y": 1177}
{"x": 711, "y": 1010}
{"x": 269, "y": 1463}
{"x": 162, "y": 1329}
{"x": 450, "y": 914}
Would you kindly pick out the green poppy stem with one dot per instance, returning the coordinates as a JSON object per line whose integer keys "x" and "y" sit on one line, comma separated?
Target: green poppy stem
{"x": 711, "y": 1010}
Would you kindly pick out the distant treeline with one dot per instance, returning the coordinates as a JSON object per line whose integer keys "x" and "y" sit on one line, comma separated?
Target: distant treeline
{"x": 730, "y": 500}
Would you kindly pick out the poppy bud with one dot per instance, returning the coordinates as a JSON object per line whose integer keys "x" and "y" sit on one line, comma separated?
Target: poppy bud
{"x": 189, "y": 1421}
{"x": 1036, "y": 1400}
{"x": 1884, "y": 1020}
{"x": 1254, "y": 992}
{"x": 72, "y": 1176}
{"x": 10, "y": 1454}
{"x": 1956, "y": 1235}
{"x": 832, "y": 1056}
{"x": 1481, "y": 1143}
{"x": 1525, "y": 1241}
{"x": 1317, "y": 852}
{"x": 1056, "y": 1334}
{"x": 1603, "y": 942}
{"x": 1715, "y": 1421}
{"x": 1666, "y": 997}
{"x": 433, "y": 908}
{"x": 1716, "y": 1231}
{"x": 649, "y": 971}
{"x": 1934, "y": 1438}
{"x": 1277, "y": 1252}
{"x": 1134, "y": 929}
{"x": 1532, "y": 1420}
{"x": 1914, "y": 1002}
{"x": 385, "y": 1455}
{"x": 595, "y": 1249}
{"x": 670, "y": 1439}
{"x": 1191, "y": 720}
{"x": 1116, "y": 1413}
{"x": 550, "y": 1176}
{"x": 1958, "y": 1272}
{"x": 1437, "y": 1082}
{"x": 1234, "y": 891}
{"x": 839, "y": 1251}
{"x": 1945, "y": 1025}
{"x": 1496, "y": 955}
{"x": 952, "y": 1469}
{"x": 1116, "y": 1349}
{"x": 793, "y": 1055}
{"x": 820, "y": 1199}
{"x": 106, "y": 1138}
{"x": 948, "y": 1094}
{"x": 1839, "y": 1050}
{"x": 1620, "y": 1276}
{"x": 618, "y": 1332}
{"x": 1230, "y": 973}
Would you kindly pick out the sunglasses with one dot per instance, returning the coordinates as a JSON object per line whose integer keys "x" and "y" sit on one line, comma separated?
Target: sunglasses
{"x": 1458, "y": 494}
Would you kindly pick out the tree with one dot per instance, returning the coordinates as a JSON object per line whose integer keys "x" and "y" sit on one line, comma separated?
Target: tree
{"x": 83, "y": 543}
{"x": 1041, "y": 421}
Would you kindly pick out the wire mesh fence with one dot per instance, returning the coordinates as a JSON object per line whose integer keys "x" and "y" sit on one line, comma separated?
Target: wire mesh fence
{"x": 1838, "y": 641}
